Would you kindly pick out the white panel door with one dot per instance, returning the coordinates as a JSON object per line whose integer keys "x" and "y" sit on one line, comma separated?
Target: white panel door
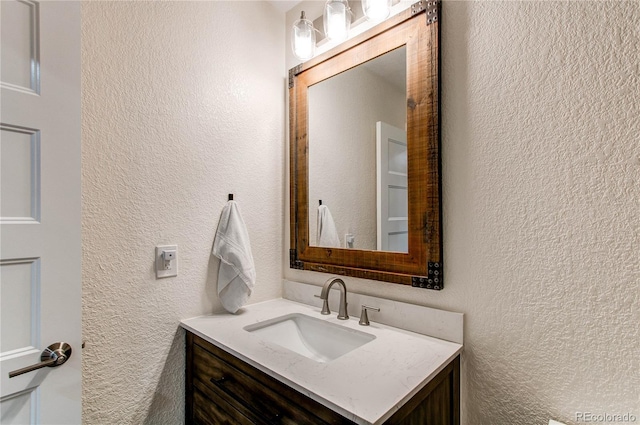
{"x": 392, "y": 195}
{"x": 40, "y": 292}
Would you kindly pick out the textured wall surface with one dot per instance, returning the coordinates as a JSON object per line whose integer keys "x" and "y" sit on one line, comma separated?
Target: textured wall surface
{"x": 183, "y": 102}
{"x": 342, "y": 150}
{"x": 541, "y": 175}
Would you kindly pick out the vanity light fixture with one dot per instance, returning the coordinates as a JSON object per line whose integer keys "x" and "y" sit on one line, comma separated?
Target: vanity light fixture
{"x": 337, "y": 19}
{"x": 376, "y": 10}
{"x": 303, "y": 38}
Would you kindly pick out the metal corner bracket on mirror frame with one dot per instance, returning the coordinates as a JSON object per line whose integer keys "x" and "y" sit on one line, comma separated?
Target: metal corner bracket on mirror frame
{"x": 422, "y": 265}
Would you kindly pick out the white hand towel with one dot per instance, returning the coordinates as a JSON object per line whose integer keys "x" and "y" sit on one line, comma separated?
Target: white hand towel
{"x": 327, "y": 233}
{"x": 237, "y": 273}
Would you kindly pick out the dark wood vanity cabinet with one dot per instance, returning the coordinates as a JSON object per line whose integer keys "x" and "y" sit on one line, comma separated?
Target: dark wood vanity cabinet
{"x": 222, "y": 389}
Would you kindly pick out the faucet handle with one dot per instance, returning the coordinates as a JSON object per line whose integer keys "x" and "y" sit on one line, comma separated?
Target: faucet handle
{"x": 325, "y": 305}
{"x": 364, "y": 317}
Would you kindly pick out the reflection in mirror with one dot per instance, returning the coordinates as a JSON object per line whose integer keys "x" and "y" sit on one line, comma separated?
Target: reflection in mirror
{"x": 358, "y": 157}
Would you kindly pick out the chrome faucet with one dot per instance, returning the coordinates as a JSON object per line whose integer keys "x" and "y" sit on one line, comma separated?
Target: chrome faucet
{"x": 324, "y": 295}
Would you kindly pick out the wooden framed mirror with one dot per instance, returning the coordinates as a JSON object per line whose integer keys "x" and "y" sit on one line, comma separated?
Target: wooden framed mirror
{"x": 348, "y": 156}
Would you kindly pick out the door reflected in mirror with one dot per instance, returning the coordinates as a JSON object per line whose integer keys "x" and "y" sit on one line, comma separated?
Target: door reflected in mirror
{"x": 358, "y": 157}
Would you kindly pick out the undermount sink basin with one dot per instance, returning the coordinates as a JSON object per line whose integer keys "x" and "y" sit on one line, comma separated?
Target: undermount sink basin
{"x": 316, "y": 339}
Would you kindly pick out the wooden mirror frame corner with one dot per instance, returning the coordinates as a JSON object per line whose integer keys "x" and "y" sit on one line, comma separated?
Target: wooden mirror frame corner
{"x": 418, "y": 29}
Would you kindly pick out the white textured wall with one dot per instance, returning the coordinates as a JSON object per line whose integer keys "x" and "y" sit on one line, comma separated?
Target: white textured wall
{"x": 342, "y": 150}
{"x": 541, "y": 175}
{"x": 183, "y": 102}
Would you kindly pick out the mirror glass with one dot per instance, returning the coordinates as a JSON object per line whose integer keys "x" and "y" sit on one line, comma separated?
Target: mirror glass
{"x": 358, "y": 157}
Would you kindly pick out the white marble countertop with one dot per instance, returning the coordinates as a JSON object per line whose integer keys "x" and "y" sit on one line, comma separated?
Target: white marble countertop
{"x": 366, "y": 385}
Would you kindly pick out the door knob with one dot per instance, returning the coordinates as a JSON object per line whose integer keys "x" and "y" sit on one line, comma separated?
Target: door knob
{"x": 54, "y": 355}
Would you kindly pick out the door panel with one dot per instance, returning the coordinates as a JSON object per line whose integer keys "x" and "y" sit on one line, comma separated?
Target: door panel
{"x": 20, "y": 174}
{"x": 392, "y": 185}
{"x": 20, "y": 45}
{"x": 40, "y": 292}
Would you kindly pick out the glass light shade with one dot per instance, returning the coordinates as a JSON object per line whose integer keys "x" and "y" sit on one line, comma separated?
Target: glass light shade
{"x": 376, "y": 10}
{"x": 337, "y": 20}
{"x": 303, "y": 38}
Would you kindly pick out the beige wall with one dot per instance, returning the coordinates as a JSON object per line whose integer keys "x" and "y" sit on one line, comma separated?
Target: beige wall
{"x": 541, "y": 195}
{"x": 183, "y": 102}
{"x": 541, "y": 175}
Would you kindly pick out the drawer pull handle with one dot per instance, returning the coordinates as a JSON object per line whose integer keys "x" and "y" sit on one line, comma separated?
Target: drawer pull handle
{"x": 219, "y": 381}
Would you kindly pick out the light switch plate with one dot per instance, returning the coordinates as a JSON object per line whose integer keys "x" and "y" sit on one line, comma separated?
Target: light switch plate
{"x": 161, "y": 264}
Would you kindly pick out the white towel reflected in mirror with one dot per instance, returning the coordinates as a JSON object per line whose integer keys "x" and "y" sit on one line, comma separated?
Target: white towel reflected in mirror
{"x": 327, "y": 233}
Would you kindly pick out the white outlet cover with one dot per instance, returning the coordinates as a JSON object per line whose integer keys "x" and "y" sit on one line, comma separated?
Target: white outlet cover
{"x": 160, "y": 263}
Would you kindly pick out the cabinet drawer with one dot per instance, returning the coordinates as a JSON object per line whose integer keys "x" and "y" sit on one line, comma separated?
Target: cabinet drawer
{"x": 206, "y": 412}
{"x": 263, "y": 396}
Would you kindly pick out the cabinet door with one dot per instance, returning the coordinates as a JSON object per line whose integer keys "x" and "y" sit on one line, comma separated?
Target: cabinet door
{"x": 252, "y": 393}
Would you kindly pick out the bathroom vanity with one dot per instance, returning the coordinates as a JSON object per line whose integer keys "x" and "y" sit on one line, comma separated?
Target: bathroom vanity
{"x": 222, "y": 389}
{"x": 237, "y": 374}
